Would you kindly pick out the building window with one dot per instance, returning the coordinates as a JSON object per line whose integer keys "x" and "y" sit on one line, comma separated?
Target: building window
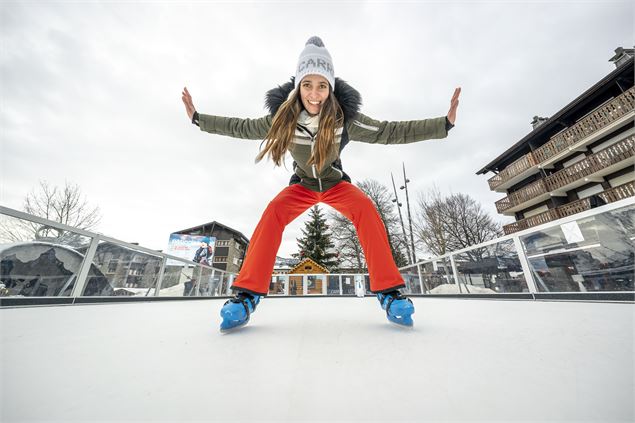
{"x": 223, "y": 243}
{"x": 220, "y": 259}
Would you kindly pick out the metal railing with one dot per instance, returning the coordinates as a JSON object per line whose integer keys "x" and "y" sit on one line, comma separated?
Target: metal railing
{"x": 588, "y": 252}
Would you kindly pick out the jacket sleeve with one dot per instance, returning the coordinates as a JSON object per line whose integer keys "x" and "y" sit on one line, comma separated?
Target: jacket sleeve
{"x": 251, "y": 129}
{"x": 365, "y": 129}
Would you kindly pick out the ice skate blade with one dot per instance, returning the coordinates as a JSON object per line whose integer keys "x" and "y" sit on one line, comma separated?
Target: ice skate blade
{"x": 403, "y": 325}
{"x": 234, "y": 328}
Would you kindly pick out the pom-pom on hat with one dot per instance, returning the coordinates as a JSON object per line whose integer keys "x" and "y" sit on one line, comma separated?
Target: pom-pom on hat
{"x": 315, "y": 60}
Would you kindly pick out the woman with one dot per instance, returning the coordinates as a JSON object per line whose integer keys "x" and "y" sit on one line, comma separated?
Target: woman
{"x": 313, "y": 117}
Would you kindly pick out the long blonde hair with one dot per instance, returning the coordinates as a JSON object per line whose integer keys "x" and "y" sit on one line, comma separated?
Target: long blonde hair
{"x": 281, "y": 133}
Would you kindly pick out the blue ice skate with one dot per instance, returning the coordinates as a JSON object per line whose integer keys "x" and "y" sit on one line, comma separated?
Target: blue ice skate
{"x": 236, "y": 311}
{"x": 399, "y": 309}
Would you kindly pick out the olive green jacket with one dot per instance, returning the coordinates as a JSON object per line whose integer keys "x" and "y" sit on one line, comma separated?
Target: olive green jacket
{"x": 357, "y": 127}
{"x": 362, "y": 129}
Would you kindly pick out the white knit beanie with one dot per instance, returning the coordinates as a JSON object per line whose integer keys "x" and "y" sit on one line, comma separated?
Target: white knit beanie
{"x": 315, "y": 60}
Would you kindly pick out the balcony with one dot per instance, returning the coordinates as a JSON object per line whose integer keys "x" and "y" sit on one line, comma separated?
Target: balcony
{"x": 539, "y": 219}
{"x": 515, "y": 172}
{"x": 598, "y": 123}
{"x": 611, "y": 195}
{"x": 533, "y": 193}
{"x": 593, "y": 167}
{"x": 619, "y": 193}
{"x": 603, "y": 120}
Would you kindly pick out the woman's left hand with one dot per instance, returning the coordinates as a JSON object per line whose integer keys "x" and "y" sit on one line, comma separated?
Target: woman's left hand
{"x": 454, "y": 104}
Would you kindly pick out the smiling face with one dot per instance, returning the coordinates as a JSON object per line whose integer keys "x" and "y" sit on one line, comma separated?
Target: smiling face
{"x": 314, "y": 90}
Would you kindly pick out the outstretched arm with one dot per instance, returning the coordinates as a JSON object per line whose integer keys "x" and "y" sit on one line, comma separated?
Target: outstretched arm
{"x": 454, "y": 104}
{"x": 253, "y": 129}
{"x": 189, "y": 105}
{"x": 366, "y": 129}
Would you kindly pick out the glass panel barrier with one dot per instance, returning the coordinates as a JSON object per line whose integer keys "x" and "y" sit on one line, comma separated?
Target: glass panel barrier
{"x": 38, "y": 260}
{"x": 593, "y": 253}
{"x": 411, "y": 279}
{"x": 438, "y": 277}
{"x": 129, "y": 272}
{"x": 209, "y": 281}
{"x": 333, "y": 285}
{"x": 316, "y": 284}
{"x": 491, "y": 269}
{"x": 178, "y": 280}
{"x": 348, "y": 284}
{"x": 225, "y": 288}
{"x": 367, "y": 284}
{"x": 225, "y": 283}
{"x": 278, "y": 285}
{"x": 295, "y": 285}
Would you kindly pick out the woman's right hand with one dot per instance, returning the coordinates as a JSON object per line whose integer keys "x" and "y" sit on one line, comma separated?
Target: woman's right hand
{"x": 189, "y": 106}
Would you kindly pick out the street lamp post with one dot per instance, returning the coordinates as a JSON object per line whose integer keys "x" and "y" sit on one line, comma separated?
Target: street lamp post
{"x": 396, "y": 200}
{"x": 412, "y": 240}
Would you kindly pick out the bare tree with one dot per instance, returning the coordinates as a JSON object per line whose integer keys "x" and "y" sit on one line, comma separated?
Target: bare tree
{"x": 347, "y": 243}
{"x": 64, "y": 205}
{"x": 346, "y": 238}
{"x": 380, "y": 195}
{"x": 452, "y": 223}
{"x": 429, "y": 225}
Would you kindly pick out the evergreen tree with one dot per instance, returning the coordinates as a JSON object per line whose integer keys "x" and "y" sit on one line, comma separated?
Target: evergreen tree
{"x": 316, "y": 241}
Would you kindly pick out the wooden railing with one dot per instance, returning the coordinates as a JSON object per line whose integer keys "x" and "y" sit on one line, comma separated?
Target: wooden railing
{"x": 539, "y": 219}
{"x": 574, "y": 207}
{"x": 600, "y": 118}
{"x": 619, "y": 192}
{"x": 594, "y": 163}
{"x": 616, "y": 153}
{"x": 522, "y": 195}
{"x": 609, "y": 196}
{"x": 519, "y": 166}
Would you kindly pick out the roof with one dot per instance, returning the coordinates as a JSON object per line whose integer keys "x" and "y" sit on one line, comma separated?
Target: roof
{"x": 555, "y": 122}
{"x": 212, "y": 225}
{"x": 306, "y": 260}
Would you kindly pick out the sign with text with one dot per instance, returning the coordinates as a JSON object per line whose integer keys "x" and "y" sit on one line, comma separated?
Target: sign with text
{"x": 194, "y": 248}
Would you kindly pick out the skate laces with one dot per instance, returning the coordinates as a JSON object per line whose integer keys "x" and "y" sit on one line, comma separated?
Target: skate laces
{"x": 386, "y": 299}
{"x": 243, "y": 297}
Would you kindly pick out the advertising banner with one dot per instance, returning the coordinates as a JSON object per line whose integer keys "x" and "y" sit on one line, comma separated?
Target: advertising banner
{"x": 194, "y": 248}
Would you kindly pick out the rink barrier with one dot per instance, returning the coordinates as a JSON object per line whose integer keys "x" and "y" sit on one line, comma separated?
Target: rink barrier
{"x": 526, "y": 265}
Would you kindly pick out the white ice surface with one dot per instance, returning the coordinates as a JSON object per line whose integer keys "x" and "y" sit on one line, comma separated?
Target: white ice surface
{"x": 319, "y": 359}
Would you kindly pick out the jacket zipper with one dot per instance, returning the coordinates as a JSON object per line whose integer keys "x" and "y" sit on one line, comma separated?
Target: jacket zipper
{"x": 313, "y": 168}
{"x": 339, "y": 171}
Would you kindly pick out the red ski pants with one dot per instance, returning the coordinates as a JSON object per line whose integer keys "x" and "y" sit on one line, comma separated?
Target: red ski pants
{"x": 255, "y": 274}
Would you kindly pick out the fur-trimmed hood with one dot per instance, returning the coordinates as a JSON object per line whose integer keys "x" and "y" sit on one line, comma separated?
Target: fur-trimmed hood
{"x": 349, "y": 98}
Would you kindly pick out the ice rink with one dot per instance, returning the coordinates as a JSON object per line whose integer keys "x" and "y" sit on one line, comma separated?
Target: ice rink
{"x": 320, "y": 359}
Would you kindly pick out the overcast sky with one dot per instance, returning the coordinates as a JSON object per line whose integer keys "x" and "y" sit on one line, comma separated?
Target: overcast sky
{"x": 91, "y": 94}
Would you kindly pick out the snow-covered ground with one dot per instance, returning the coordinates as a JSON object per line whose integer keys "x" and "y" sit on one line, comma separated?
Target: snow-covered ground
{"x": 319, "y": 359}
